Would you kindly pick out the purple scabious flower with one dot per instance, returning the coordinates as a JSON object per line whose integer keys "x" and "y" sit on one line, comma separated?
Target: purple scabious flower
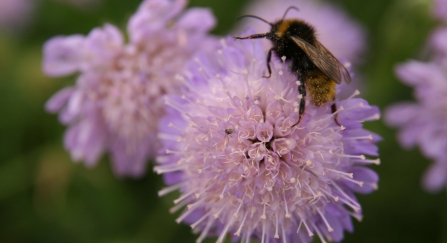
{"x": 242, "y": 166}
{"x": 116, "y": 101}
{"x": 345, "y": 38}
{"x": 422, "y": 123}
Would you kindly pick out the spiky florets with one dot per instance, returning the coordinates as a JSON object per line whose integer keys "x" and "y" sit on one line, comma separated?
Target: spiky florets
{"x": 243, "y": 168}
{"x": 117, "y": 100}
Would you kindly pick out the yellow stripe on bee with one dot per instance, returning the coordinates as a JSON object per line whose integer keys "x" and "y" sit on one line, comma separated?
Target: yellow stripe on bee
{"x": 321, "y": 88}
{"x": 283, "y": 27}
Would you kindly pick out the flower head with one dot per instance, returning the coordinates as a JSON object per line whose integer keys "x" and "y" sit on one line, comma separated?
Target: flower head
{"x": 116, "y": 102}
{"x": 423, "y": 122}
{"x": 243, "y": 167}
{"x": 335, "y": 30}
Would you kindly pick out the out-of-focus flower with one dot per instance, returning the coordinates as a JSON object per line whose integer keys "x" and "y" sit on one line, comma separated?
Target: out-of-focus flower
{"x": 15, "y": 14}
{"x": 335, "y": 30}
{"x": 423, "y": 123}
{"x": 116, "y": 102}
{"x": 438, "y": 42}
{"x": 231, "y": 147}
{"x": 440, "y": 9}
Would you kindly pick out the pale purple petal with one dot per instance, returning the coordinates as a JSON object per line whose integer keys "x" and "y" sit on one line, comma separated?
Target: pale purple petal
{"x": 335, "y": 219}
{"x": 197, "y": 19}
{"x": 86, "y": 140}
{"x": 63, "y": 55}
{"x": 102, "y": 46}
{"x": 367, "y": 176}
{"x": 413, "y": 72}
{"x": 58, "y": 100}
{"x": 435, "y": 177}
{"x": 401, "y": 113}
{"x": 152, "y": 17}
{"x": 130, "y": 160}
{"x": 439, "y": 40}
{"x": 433, "y": 140}
{"x": 73, "y": 108}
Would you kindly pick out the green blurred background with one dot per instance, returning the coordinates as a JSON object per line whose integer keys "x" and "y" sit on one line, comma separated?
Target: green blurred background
{"x": 44, "y": 197}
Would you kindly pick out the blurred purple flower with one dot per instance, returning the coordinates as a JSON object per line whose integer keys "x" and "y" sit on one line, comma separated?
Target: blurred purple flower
{"x": 440, "y": 9}
{"x": 423, "y": 123}
{"x": 345, "y": 38}
{"x": 116, "y": 102}
{"x": 438, "y": 42}
{"x": 242, "y": 168}
{"x": 15, "y": 14}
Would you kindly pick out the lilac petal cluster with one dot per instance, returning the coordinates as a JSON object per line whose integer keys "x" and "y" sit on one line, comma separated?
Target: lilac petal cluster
{"x": 422, "y": 123}
{"x": 243, "y": 166}
{"x": 344, "y": 37}
{"x": 116, "y": 103}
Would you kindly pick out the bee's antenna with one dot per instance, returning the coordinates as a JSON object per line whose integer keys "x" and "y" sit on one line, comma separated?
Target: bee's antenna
{"x": 287, "y": 10}
{"x": 256, "y": 17}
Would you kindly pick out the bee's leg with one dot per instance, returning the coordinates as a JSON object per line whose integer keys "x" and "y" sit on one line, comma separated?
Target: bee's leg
{"x": 334, "y": 109}
{"x": 269, "y": 58}
{"x": 302, "y": 92}
{"x": 269, "y": 55}
{"x": 255, "y": 36}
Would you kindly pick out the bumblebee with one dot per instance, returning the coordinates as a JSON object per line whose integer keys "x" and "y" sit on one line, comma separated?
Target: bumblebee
{"x": 316, "y": 68}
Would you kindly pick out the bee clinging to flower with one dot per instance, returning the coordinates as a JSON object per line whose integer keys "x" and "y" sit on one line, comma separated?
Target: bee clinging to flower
{"x": 317, "y": 69}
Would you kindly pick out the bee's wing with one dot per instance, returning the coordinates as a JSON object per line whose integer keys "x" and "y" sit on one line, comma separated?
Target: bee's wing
{"x": 324, "y": 60}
